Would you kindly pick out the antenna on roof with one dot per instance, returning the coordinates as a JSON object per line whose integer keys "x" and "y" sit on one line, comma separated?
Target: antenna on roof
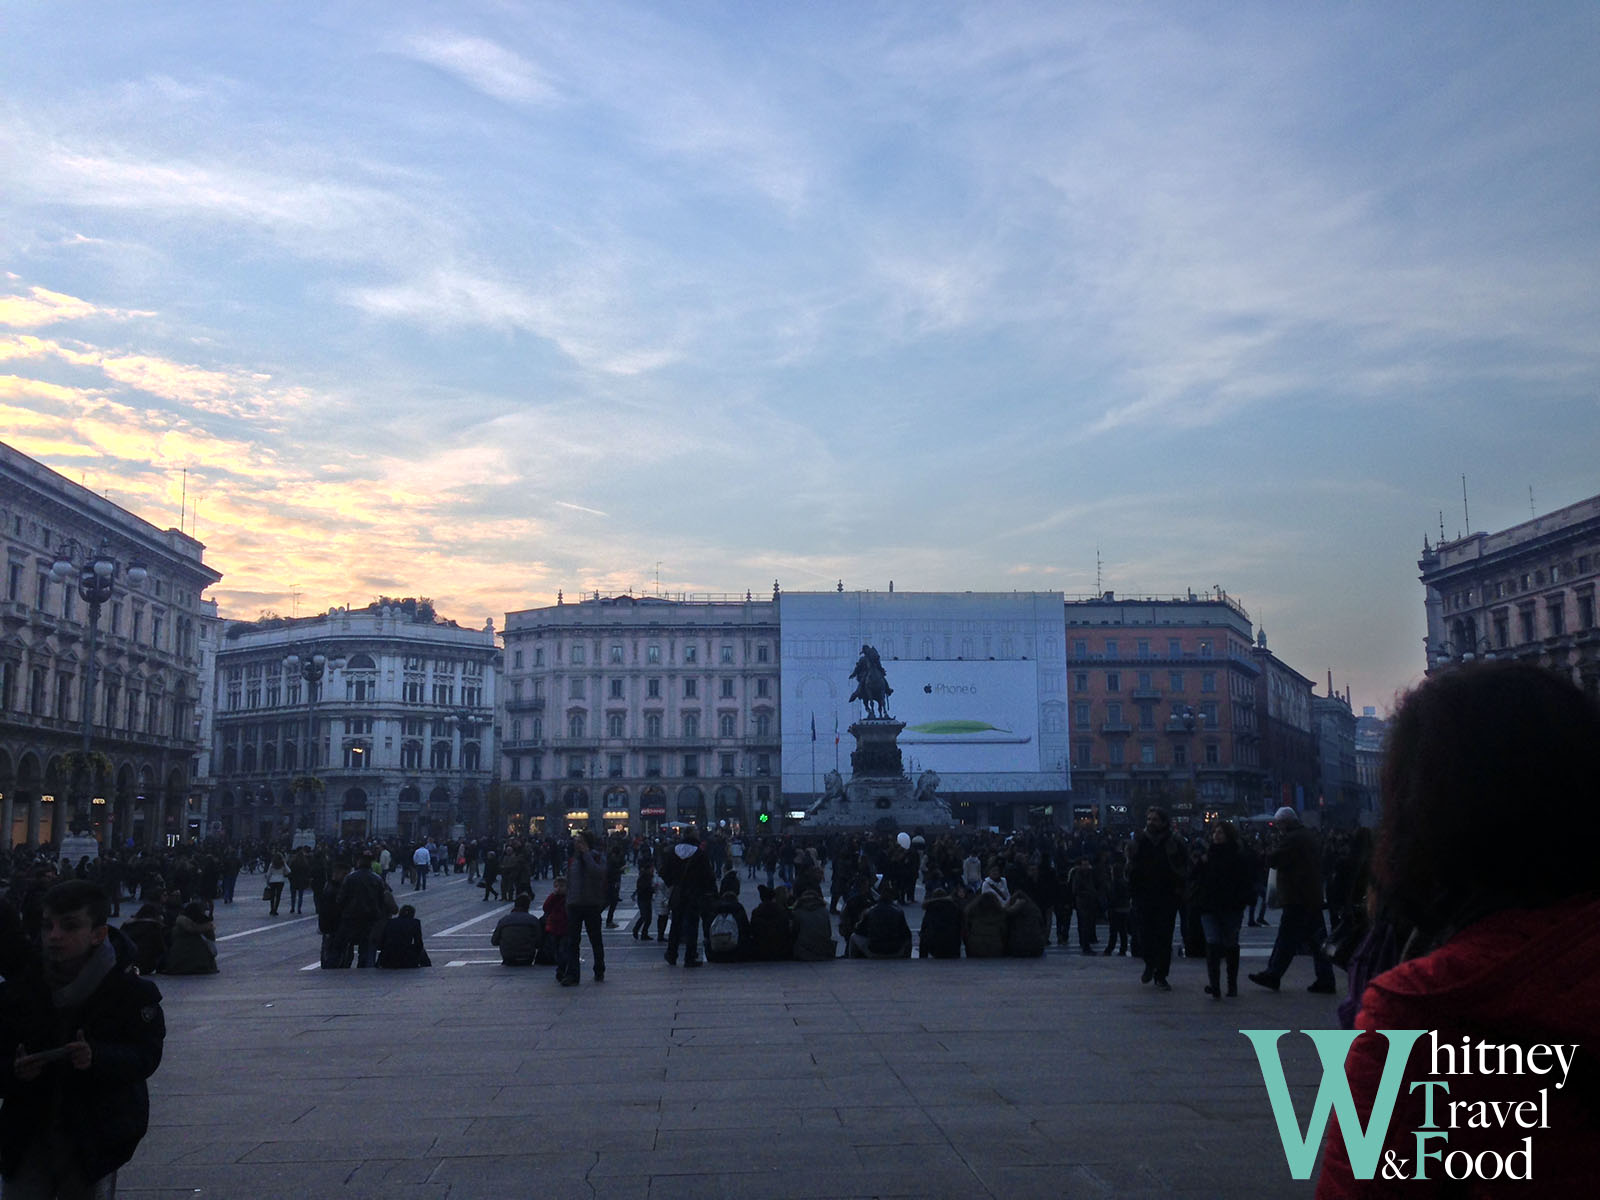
{"x": 1099, "y": 590}
{"x": 1531, "y": 513}
{"x": 1466, "y": 520}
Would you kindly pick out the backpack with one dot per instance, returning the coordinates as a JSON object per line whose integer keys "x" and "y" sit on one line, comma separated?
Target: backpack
{"x": 723, "y": 936}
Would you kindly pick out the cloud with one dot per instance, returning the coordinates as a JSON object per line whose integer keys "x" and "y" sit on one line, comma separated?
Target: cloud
{"x": 42, "y": 307}
{"x": 481, "y": 64}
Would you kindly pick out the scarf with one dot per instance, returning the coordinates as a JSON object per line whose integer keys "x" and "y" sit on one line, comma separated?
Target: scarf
{"x": 74, "y": 992}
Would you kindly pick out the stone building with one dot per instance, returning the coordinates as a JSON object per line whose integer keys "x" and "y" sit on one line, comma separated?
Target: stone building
{"x": 1290, "y": 758}
{"x": 1341, "y": 800}
{"x": 135, "y": 783}
{"x": 1163, "y": 706}
{"x": 401, "y": 739}
{"x": 1527, "y": 592}
{"x": 630, "y": 711}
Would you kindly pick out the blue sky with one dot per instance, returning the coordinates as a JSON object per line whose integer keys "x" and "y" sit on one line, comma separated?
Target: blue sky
{"x": 482, "y": 301}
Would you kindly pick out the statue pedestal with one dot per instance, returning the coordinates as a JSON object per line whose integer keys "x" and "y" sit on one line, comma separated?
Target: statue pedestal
{"x": 879, "y": 796}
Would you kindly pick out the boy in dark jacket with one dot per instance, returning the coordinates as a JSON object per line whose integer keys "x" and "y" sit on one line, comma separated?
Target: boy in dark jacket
{"x": 80, "y": 1032}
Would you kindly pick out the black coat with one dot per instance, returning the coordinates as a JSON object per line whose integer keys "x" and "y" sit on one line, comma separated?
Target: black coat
{"x": 106, "y": 1109}
{"x": 941, "y": 929}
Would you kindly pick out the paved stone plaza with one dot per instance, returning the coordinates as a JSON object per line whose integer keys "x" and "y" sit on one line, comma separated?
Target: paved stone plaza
{"x": 1053, "y": 1077}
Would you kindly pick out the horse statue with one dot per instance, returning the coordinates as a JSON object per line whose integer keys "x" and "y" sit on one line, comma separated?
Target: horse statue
{"x": 872, "y": 685}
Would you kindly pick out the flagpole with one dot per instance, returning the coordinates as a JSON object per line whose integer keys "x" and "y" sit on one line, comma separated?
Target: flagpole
{"x": 813, "y": 757}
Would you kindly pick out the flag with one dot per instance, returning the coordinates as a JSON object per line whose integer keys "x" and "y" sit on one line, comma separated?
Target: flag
{"x": 813, "y": 727}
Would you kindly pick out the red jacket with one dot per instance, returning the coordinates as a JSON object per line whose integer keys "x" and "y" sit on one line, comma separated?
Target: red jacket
{"x": 1525, "y": 977}
{"x": 555, "y": 914}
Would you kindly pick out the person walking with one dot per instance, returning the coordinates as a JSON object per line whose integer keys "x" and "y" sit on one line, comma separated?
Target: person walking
{"x": 277, "y": 876}
{"x": 586, "y": 900}
{"x": 1297, "y": 860}
{"x": 1156, "y": 875}
{"x": 1223, "y": 888}
{"x": 644, "y": 895}
{"x": 421, "y": 859}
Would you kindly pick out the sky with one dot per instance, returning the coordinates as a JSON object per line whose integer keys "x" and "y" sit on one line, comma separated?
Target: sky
{"x": 483, "y": 301}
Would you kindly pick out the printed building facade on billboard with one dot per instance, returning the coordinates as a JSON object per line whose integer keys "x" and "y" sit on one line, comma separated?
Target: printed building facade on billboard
{"x": 979, "y": 679}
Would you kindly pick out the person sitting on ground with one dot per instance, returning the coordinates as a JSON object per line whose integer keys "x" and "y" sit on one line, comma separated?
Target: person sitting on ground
{"x": 813, "y": 928}
{"x": 985, "y": 926}
{"x": 1504, "y": 921}
{"x": 193, "y": 950}
{"x": 882, "y": 931}
{"x": 400, "y": 945}
{"x": 728, "y": 936}
{"x": 940, "y": 936}
{"x": 855, "y": 904}
{"x": 771, "y": 926}
{"x": 149, "y": 938}
{"x": 1024, "y": 927}
{"x": 518, "y": 933}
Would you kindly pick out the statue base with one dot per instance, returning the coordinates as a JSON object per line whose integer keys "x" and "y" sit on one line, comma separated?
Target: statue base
{"x": 879, "y": 796}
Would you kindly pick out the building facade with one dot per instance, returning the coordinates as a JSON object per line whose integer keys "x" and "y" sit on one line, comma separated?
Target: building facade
{"x": 1341, "y": 800}
{"x": 1290, "y": 756}
{"x": 625, "y": 712}
{"x": 395, "y": 739}
{"x": 1163, "y": 694}
{"x": 136, "y": 782}
{"x": 1527, "y": 592}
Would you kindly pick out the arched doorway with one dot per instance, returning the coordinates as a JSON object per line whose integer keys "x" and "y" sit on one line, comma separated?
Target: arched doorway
{"x": 652, "y": 809}
{"x": 691, "y": 805}
{"x": 615, "y": 813}
{"x": 576, "y": 815}
{"x": 354, "y": 818}
{"x": 436, "y": 821}
{"x": 726, "y": 802}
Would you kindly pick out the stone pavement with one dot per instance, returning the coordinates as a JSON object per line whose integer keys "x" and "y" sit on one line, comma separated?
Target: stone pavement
{"x": 1054, "y": 1077}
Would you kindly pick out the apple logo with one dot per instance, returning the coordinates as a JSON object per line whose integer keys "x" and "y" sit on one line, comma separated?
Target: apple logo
{"x": 928, "y": 688}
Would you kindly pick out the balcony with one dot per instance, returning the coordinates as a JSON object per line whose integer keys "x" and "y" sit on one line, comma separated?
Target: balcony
{"x": 1115, "y": 727}
{"x": 1145, "y": 694}
{"x": 525, "y": 704}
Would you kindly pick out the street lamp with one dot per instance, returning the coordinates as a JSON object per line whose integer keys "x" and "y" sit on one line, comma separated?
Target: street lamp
{"x": 97, "y": 574}
{"x": 311, "y": 664}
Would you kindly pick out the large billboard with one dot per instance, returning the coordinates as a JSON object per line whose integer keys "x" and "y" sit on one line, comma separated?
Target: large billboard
{"x": 979, "y": 680}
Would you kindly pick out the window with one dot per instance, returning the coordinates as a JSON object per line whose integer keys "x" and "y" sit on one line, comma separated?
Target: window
{"x": 763, "y": 688}
{"x": 1145, "y": 685}
{"x": 1180, "y": 754}
{"x": 1208, "y": 713}
{"x": 727, "y": 652}
{"x": 616, "y": 689}
{"x": 763, "y": 767}
{"x": 652, "y": 653}
{"x": 1113, "y": 681}
{"x": 1080, "y": 713}
{"x": 536, "y": 732}
{"x": 576, "y": 723}
{"x": 14, "y": 582}
{"x": 1114, "y": 753}
{"x": 1147, "y": 754}
{"x": 1205, "y": 647}
{"x": 576, "y": 768}
{"x": 576, "y": 657}
{"x": 761, "y": 653}
{"x": 516, "y": 767}
{"x": 1525, "y": 622}
{"x": 575, "y": 688}
{"x": 691, "y": 725}
{"x": 1111, "y": 647}
{"x": 516, "y": 665}
{"x": 1144, "y": 647}
{"x": 691, "y": 652}
{"x": 1585, "y": 611}
{"x": 614, "y": 766}
{"x": 444, "y": 692}
{"x": 1208, "y": 681}
{"x": 1080, "y": 648}
{"x": 1502, "y": 630}
{"x": 652, "y": 688}
{"x": 413, "y": 691}
{"x": 616, "y": 652}
{"x": 614, "y": 724}
{"x": 763, "y": 725}
{"x": 1213, "y": 754}
{"x": 725, "y": 764}
{"x": 691, "y": 766}
{"x": 1175, "y": 681}
{"x": 538, "y": 661}
{"x": 725, "y": 725}
{"x": 1113, "y": 714}
{"x": 536, "y": 766}
{"x": 652, "y": 725}
{"x": 440, "y": 760}
{"x": 1080, "y": 681}
{"x": 691, "y": 689}
{"x": 726, "y": 689}
{"x": 652, "y": 766}
{"x": 1557, "y": 614}
{"x": 1174, "y": 648}
{"x": 516, "y": 729}
{"x": 1147, "y": 716}
{"x": 1082, "y": 754}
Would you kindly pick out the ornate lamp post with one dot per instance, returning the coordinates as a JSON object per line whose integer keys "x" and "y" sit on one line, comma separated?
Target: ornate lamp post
{"x": 312, "y": 664}
{"x": 97, "y": 574}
